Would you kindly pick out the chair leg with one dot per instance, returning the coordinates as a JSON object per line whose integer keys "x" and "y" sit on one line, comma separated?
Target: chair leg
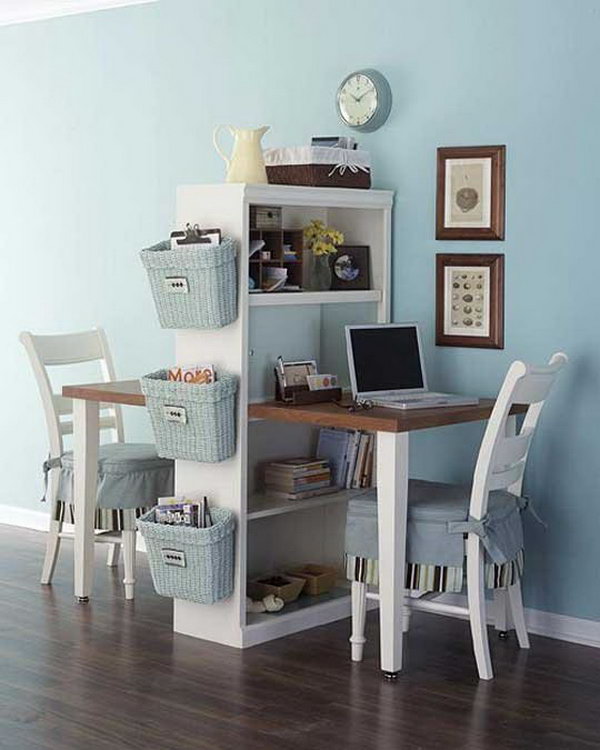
{"x": 502, "y": 618}
{"x": 112, "y": 557}
{"x": 128, "y": 542}
{"x": 518, "y": 615}
{"x": 477, "y": 613}
{"x": 52, "y": 548}
{"x": 359, "y": 613}
{"x": 406, "y": 613}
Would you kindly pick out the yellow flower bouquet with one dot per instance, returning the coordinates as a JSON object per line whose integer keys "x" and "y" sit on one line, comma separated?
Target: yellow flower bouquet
{"x": 321, "y": 239}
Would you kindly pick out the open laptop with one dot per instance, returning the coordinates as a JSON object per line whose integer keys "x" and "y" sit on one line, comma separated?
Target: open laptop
{"x": 386, "y": 368}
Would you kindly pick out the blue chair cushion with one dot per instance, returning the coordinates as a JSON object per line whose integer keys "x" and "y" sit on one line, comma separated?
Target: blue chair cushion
{"x": 130, "y": 475}
{"x": 438, "y": 518}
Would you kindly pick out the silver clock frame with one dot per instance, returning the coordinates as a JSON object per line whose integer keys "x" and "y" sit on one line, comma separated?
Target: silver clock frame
{"x": 384, "y": 100}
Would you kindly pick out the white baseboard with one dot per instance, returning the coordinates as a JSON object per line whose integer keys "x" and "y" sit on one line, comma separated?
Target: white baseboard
{"x": 552, "y": 625}
{"x": 28, "y": 519}
{"x": 37, "y": 520}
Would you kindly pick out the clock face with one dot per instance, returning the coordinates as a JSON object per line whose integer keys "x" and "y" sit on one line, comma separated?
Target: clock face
{"x": 357, "y": 100}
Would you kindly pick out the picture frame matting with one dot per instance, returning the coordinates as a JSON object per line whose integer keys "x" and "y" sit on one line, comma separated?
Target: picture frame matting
{"x": 470, "y": 300}
{"x": 470, "y": 193}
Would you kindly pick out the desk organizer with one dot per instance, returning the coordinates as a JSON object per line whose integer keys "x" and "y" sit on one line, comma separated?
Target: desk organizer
{"x": 192, "y": 421}
{"x": 193, "y": 288}
{"x": 318, "y": 166}
{"x": 189, "y": 563}
{"x": 296, "y": 395}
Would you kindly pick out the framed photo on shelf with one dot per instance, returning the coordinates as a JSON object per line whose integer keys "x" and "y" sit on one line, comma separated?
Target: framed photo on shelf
{"x": 469, "y": 300}
{"x": 350, "y": 268}
{"x": 470, "y": 193}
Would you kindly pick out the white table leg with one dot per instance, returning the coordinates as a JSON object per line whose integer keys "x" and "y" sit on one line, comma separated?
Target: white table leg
{"x": 85, "y": 460}
{"x": 392, "y": 502}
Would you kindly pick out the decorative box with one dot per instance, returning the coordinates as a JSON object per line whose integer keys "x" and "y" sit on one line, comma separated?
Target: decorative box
{"x": 265, "y": 217}
{"x": 318, "y": 166}
{"x": 319, "y": 578}
{"x": 286, "y": 587}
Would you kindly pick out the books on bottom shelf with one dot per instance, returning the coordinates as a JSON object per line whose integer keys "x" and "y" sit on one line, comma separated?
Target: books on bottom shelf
{"x": 298, "y": 478}
{"x": 305, "y": 495}
{"x": 350, "y": 454}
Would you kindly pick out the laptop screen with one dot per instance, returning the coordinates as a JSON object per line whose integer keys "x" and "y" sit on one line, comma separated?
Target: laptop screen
{"x": 386, "y": 358}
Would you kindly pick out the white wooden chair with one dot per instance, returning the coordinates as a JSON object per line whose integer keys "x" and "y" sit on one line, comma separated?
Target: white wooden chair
{"x": 500, "y": 467}
{"x": 71, "y": 349}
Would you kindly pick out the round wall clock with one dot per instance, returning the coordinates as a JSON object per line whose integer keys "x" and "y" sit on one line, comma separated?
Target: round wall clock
{"x": 364, "y": 100}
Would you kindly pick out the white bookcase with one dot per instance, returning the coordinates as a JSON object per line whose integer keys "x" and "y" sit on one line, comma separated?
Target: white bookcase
{"x": 272, "y": 534}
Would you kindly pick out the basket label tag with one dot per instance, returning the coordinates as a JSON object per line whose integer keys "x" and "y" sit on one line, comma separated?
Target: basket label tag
{"x": 174, "y": 557}
{"x": 175, "y": 414}
{"x": 176, "y": 284}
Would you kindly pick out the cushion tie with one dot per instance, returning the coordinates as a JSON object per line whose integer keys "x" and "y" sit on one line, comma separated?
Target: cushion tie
{"x": 526, "y": 503}
{"x": 478, "y": 526}
{"x": 49, "y": 464}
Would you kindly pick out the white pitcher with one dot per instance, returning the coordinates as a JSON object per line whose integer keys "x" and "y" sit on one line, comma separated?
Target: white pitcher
{"x": 246, "y": 163}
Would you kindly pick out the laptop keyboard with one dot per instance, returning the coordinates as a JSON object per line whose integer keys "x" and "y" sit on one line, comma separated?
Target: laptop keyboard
{"x": 410, "y": 397}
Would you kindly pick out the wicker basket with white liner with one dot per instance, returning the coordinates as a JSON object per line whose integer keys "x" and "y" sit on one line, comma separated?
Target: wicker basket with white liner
{"x": 318, "y": 166}
{"x": 191, "y": 563}
{"x": 193, "y": 288}
{"x": 193, "y": 421}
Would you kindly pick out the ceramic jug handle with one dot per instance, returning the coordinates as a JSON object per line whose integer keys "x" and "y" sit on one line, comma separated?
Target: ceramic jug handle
{"x": 216, "y": 144}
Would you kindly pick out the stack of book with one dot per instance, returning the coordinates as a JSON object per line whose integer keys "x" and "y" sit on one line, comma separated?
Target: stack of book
{"x": 298, "y": 478}
{"x": 350, "y": 455}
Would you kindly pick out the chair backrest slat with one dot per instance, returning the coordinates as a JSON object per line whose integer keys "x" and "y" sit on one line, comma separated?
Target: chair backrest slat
{"x": 69, "y": 349}
{"x": 512, "y": 449}
{"x": 105, "y": 423}
{"x": 62, "y": 405}
{"x": 533, "y": 388}
{"x": 503, "y": 457}
{"x": 501, "y": 479}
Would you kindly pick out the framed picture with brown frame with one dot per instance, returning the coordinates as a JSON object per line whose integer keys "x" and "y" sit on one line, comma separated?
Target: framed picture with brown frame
{"x": 469, "y": 300}
{"x": 470, "y": 193}
{"x": 350, "y": 268}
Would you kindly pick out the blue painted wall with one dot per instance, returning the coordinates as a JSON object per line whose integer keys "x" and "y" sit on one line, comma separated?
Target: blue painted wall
{"x": 103, "y": 115}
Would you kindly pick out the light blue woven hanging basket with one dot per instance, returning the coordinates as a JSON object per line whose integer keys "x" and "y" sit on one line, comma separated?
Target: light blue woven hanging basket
{"x": 189, "y": 563}
{"x": 193, "y": 288}
{"x": 190, "y": 420}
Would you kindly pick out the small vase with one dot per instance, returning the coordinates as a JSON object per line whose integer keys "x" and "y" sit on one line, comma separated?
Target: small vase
{"x": 320, "y": 277}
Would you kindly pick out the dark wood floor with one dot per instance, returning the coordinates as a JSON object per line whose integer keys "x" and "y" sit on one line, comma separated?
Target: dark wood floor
{"x": 111, "y": 676}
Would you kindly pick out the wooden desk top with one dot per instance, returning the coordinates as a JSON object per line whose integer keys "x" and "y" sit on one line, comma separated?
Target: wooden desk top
{"x": 323, "y": 415}
{"x": 377, "y": 419}
{"x": 114, "y": 392}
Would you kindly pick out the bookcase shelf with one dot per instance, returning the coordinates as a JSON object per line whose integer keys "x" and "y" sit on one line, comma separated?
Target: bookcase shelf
{"x": 263, "y": 505}
{"x": 266, "y": 299}
{"x": 340, "y": 595}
